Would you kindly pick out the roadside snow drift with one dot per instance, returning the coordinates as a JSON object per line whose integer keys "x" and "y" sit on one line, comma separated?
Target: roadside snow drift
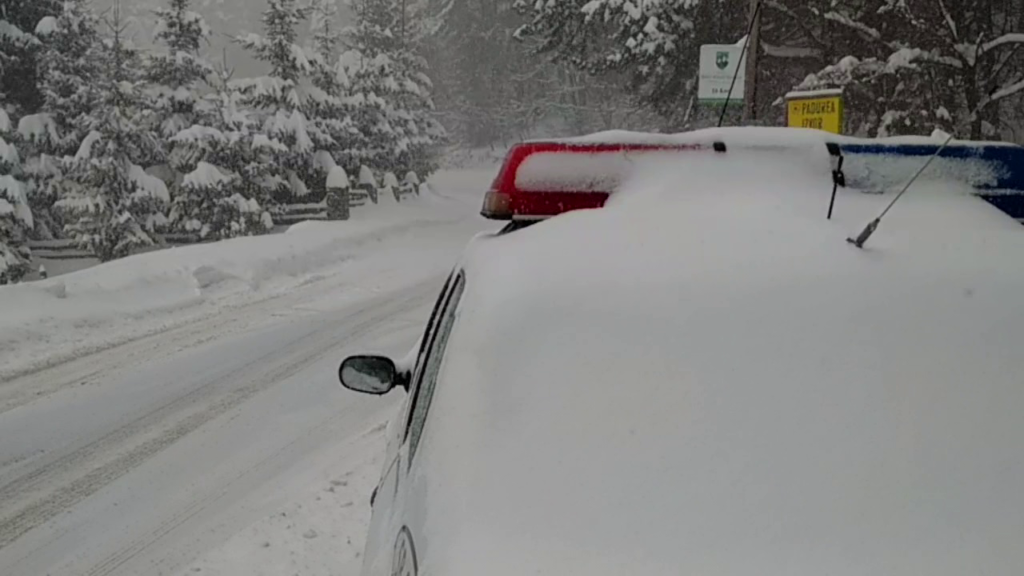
{"x": 52, "y": 320}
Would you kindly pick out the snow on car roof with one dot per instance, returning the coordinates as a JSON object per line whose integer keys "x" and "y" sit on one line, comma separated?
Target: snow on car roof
{"x": 705, "y": 378}
{"x": 759, "y": 136}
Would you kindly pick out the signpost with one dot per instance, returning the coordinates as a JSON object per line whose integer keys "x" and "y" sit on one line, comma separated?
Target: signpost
{"x": 820, "y": 110}
{"x": 718, "y": 65}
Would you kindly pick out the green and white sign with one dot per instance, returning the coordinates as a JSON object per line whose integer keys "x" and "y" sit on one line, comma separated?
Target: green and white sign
{"x": 718, "y": 65}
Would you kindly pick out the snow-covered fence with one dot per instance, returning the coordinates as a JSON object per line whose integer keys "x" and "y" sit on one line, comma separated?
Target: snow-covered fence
{"x": 283, "y": 215}
{"x": 58, "y": 250}
{"x": 358, "y": 197}
{"x": 70, "y": 249}
{"x": 178, "y": 238}
{"x": 334, "y": 207}
{"x": 292, "y": 213}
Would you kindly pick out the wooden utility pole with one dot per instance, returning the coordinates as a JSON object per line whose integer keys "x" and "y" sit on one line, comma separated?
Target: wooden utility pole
{"x": 753, "y": 55}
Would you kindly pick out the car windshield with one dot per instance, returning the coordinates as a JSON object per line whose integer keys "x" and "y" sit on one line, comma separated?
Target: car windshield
{"x": 383, "y": 287}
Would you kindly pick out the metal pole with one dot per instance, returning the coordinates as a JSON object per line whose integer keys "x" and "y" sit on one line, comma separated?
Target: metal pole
{"x": 743, "y": 52}
{"x": 753, "y": 54}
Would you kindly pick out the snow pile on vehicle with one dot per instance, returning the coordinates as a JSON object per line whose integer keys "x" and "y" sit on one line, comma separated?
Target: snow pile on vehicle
{"x": 756, "y": 137}
{"x": 603, "y": 170}
{"x": 879, "y": 171}
{"x": 705, "y": 376}
{"x": 600, "y": 163}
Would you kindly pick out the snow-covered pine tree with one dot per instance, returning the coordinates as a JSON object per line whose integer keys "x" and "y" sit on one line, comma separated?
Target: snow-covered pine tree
{"x": 214, "y": 195}
{"x": 326, "y": 108}
{"x": 282, "y": 100}
{"x": 20, "y": 47}
{"x": 224, "y": 165}
{"x": 37, "y": 137}
{"x": 18, "y": 52}
{"x": 69, "y": 69}
{"x": 177, "y": 71}
{"x": 362, "y": 85}
{"x": 324, "y": 32}
{"x": 110, "y": 201}
{"x": 15, "y": 212}
{"x": 392, "y": 91}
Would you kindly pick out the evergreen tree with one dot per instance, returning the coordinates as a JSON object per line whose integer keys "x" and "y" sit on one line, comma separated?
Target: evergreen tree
{"x": 225, "y": 164}
{"x": 15, "y": 212}
{"x": 70, "y": 67}
{"x": 281, "y": 102}
{"x": 278, "y": 48}
{"x": 324, "y": 33}
{"x": 388, "y": 79}
{"x": 111, "y": 203}
{"x": 177, "y": 71}
{"x": 69, "y": 70}
{"x": 329, "y": 110}
{"x": 37, "y": 137}
{"x": 362, "y": 86}
{"x": 20, "y": 49}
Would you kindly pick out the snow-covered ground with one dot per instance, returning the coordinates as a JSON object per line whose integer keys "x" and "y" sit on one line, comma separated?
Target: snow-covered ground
{"x": 319, "y": 530}
{"x": 179, "y": 412}
{"x": 51, "y": 321}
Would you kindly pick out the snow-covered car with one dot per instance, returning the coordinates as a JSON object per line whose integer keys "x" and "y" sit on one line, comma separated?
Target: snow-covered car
{"x": 704, "y": 377}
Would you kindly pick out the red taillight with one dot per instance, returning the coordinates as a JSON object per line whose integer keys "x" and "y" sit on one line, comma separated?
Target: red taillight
{"x": 566, "y": 176}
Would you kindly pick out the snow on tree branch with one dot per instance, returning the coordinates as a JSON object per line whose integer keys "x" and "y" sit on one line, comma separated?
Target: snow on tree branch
{"x": 860, "y": 27}
{"x": 1007, "y": 91}
{"x": 1004, "y": 40}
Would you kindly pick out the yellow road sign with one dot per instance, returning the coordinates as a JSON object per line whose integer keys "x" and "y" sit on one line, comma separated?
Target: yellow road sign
{"x": 822, "y": 111}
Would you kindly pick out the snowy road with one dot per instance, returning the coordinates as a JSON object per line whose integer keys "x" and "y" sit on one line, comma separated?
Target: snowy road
{"x": 146, "y": 457}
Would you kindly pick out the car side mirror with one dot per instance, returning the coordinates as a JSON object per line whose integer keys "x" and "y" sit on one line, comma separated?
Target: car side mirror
{"x": 375, "y": 375}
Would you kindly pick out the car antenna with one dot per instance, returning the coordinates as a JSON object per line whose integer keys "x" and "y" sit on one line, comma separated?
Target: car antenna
{"x": 865, "y": 235}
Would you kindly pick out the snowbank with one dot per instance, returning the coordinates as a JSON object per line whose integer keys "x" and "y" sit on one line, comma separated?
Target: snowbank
{"x": 53, "y": 320}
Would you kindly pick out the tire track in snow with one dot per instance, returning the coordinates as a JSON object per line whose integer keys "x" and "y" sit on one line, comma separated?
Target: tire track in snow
{"x": 62, "y": 483}
{"x": 110, "y": 564}
{"x": 329, "y": 255}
